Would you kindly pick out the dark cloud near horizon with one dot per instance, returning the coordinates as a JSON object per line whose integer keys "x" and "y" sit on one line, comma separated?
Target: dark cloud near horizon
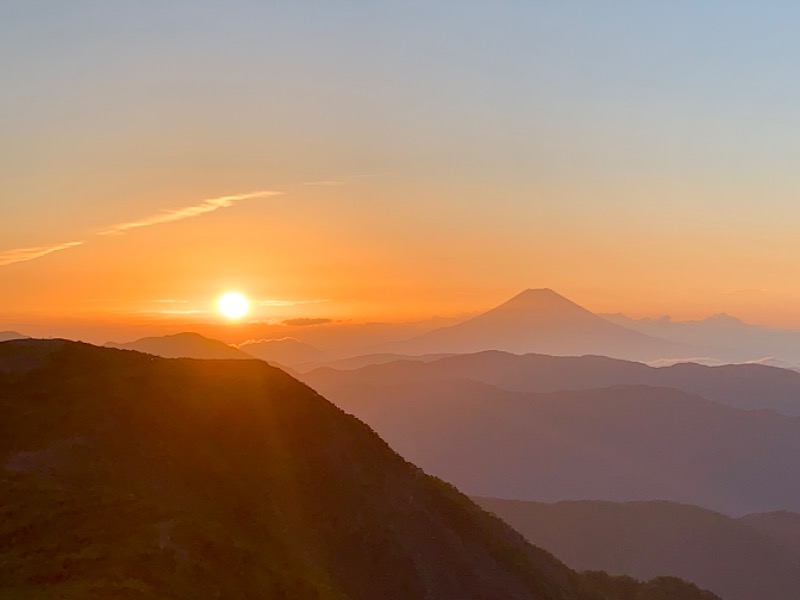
{"x": 305, "y": 321}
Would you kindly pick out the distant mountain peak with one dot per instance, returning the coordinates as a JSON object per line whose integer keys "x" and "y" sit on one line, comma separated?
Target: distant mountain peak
{"x": 538, "y": 295}
{"x": 545, "y": 322}
{"x": 543, "y": 300}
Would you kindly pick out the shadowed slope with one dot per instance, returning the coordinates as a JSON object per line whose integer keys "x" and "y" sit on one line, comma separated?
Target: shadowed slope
{"x": 127, "y": 475}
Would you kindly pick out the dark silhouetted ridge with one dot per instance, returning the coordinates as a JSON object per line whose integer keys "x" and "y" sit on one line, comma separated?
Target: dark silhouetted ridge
{"x": 129, "y": 475}
{"x": 184, "y": 345}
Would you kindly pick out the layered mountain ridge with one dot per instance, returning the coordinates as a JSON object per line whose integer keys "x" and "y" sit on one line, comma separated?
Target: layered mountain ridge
{"x": 757, "y": 556}
{"x": 749, "y": 386}
{"x": 623, "y": 442}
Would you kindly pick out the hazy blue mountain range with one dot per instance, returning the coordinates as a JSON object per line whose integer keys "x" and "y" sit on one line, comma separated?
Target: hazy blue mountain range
{"x": 749, "y": 386}
{"x": 128, "y": 475}
{"x": 726, "y": 337}
{"x": 739, "y": 559}
{"x": 618, "y": 443}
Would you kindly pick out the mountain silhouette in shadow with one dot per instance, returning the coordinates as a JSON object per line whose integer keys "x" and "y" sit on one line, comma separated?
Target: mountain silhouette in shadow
{"x": 183, "y": 345}
{"x": 542, "y": 321}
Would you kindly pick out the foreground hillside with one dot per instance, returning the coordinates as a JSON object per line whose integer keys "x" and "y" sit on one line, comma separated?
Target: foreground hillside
{"x": 130, "y": 476}
{"x": 740, "y": 559}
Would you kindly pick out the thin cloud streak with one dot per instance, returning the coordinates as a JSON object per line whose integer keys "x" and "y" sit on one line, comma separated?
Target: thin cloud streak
{"x": 10, "y": 257}
{"x": 206, "y": 206}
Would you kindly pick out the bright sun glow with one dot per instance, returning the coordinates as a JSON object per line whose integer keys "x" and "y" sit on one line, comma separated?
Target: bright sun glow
{"x": 233, "y": 305}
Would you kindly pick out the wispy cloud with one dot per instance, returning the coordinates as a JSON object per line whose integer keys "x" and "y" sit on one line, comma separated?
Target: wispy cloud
{"x": 170, "y": 216}
{"x": 9, "y": 257}
{"x": 206, "y": 206}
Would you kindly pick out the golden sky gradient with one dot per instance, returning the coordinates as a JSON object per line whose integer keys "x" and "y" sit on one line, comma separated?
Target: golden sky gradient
{"x": 393, "y": 163}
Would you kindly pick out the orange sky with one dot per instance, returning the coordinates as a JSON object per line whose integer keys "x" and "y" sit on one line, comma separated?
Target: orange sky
{"x": 369, "y": 164}
{"x": 322, "y": 252}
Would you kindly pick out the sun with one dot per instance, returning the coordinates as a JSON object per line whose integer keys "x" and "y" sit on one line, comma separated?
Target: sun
{"x": 233, "y": 305}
